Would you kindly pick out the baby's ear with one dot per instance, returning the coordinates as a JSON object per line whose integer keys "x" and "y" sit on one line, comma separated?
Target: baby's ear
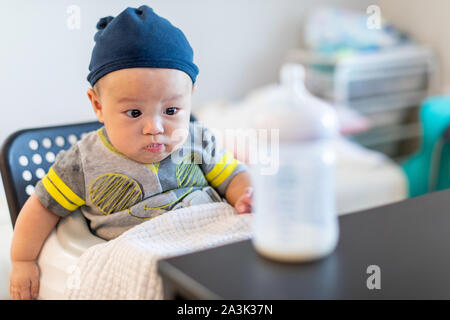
{"x": 194, "y": 87}
{"x": 95, "y": 102}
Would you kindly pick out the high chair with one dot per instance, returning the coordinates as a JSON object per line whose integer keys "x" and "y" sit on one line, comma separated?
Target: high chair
{"x": 25, "y": 158}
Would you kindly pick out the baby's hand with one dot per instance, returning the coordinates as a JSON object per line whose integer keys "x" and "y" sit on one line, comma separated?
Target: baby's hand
{"x": 24, "y": 280}
{"x": 244, "y": 203}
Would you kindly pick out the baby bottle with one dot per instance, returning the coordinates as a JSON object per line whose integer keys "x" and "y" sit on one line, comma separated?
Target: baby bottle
{"x": 294, "y": 216}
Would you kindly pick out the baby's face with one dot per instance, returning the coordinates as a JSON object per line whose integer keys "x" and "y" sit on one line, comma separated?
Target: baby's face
{"x": 145, "y": 111}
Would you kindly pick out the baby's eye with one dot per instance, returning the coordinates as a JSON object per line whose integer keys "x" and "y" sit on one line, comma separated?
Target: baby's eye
{"x": 133, "y": 113}
{"x": 171, "y": 111}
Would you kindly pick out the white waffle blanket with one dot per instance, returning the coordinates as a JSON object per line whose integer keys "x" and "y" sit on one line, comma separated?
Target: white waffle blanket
{"x": 126, "y": 267}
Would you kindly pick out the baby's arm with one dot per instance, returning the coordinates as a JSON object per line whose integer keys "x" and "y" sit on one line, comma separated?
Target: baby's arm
{"x": 239, "y": 192}
{"x": 33, "y": 225}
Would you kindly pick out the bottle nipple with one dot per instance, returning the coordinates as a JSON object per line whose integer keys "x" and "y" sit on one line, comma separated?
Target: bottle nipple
{"x": 292, "y": 76}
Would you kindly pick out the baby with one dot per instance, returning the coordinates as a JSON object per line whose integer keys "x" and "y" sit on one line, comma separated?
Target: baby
{"x": 147, "y": 159}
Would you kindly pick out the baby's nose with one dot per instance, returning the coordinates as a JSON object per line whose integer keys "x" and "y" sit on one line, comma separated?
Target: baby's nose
{"x": 153, "y": 126}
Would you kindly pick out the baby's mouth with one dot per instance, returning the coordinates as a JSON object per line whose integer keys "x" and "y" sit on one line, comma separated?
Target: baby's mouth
{"x": 155, "y": 147}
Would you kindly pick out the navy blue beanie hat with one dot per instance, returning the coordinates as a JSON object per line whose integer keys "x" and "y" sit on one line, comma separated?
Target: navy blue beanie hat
{"x": 139, "y": 38}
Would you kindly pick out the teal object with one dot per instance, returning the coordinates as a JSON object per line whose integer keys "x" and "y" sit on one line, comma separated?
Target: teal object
{"x": 429, "y": 169}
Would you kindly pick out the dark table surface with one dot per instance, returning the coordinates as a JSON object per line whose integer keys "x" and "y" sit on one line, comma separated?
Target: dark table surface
{"x": 409, "y": 241}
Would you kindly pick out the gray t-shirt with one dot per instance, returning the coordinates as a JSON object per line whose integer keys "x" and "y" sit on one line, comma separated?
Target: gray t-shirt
{"x": 116, "y": 193}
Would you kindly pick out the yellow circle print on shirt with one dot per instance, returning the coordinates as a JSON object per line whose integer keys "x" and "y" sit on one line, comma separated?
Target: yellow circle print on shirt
{"x": 113, "y": 192}
{"x": 188, "y": 173}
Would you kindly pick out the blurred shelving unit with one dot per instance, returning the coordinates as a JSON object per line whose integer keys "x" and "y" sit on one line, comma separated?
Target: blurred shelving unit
{"x": 386, "y": 86}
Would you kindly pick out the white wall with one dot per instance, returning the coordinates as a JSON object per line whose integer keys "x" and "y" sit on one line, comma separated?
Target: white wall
{"x": 238, "y": 45}
{"x": 428, "y": 22}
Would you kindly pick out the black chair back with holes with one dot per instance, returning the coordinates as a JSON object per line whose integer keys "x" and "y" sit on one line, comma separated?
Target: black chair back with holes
{"x": 27, "y": 155}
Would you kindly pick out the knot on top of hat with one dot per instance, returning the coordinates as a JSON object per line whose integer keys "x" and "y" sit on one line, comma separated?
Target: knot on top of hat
{"x": 103, "y": 22}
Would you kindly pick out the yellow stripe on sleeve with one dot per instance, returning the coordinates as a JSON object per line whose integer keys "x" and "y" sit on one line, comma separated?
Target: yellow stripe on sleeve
{"x": 64, "y": 189}
{"x": 219, "y": 166}
{"x": 225, "y": 173}
{"x": 57, "y": 195}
